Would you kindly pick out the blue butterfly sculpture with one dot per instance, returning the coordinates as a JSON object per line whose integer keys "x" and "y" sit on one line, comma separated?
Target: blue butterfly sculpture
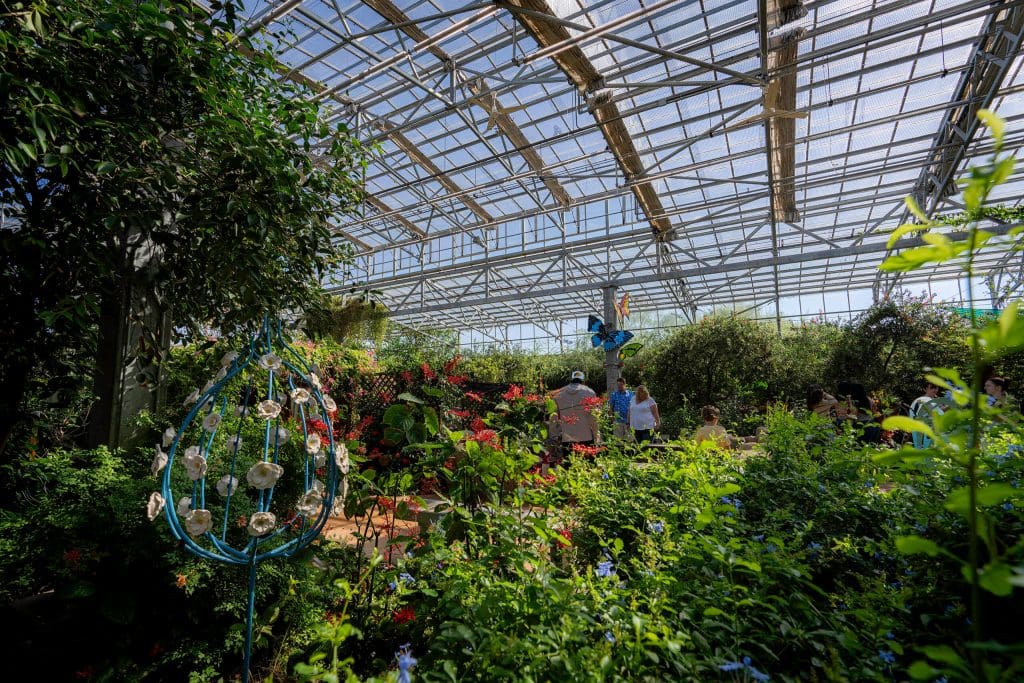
{"x": 602, "y": 336}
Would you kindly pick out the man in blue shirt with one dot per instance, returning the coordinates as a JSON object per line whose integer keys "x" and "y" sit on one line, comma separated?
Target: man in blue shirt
{"x": 619, "y": 402}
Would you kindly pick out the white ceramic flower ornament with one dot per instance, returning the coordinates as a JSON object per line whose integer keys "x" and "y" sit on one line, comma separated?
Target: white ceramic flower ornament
{"x": 248, "y": 491}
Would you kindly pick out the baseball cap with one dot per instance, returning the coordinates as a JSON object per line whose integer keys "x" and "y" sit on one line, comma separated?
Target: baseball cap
{"x": 578, "y": 374}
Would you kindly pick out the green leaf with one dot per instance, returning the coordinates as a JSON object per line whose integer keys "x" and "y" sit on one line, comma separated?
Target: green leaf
{"x": 431, "y": 421}
{"x": 406, "y": 396}
{"x": 905, "y": 229}
{"x": 915, "y": 208}
{"x": 995, "y": 123}
{"x": 907, "y": 424}
{"x": 713, "y": 612}
{"x": 1002, "y": 170}
{"x": 922, "y": 671}
{"x": 914, "y": 545}
{"x": 995, "y": 494}
{"x": 105, "y": 167}
{"x": 941, "y": 653}
{"x": 995, "y": 578}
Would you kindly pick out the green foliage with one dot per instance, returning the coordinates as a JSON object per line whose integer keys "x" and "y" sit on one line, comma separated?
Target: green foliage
{"x": 967, "y": 421}
{"x": 722, "y": 360}
{"x": 152, "y": 161}
{"x": 899, "y": 338}
{"x": 348, "y": 319}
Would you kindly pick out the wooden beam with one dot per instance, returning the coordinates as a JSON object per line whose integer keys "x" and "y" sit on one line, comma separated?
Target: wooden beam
{"x": 419, "y": 157}
{"x": 578, "y": 67}
{"x": 780, "y": 95}
{"x": 397, "y": 217}
{"x": 502, "y": 120}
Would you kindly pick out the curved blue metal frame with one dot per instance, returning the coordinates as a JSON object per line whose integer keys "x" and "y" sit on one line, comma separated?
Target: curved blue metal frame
{"x": 220, "y": 550}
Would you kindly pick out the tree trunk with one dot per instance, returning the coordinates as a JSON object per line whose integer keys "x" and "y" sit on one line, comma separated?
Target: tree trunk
{"x": 104, "y": 416}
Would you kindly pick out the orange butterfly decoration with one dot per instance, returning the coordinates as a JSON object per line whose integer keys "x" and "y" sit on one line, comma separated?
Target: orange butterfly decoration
{"x": 622, "y": 306}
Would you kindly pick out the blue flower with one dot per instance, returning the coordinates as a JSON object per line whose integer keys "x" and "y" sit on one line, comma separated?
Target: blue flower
{"x": 609, "y": 637}
{"x": 896, "y": 584}
{"x": 728, "y": 500}
{"x": 604, "y": 475}
{"x": 889, "y": 635}
{"x": 868, "y": 484}
{"x": 759, "y": 538}
{"x": 813, "y": 545}
{"x": 392, "y": 586}
{"x": 886, "y": 656}
{"x": 771, "y": 547}
{"x": 656, "y": 527}
{"x": 405, "y": 662}
{"x": 406, "y": 577}
{"x": 745, "y": 664}
{"x": 1007, "y": 505}
{"x": 605, "y": 569}
{"x": 921, "y": 528}
{"x": 821, "y": 487}
{"x": 757, "y": 675}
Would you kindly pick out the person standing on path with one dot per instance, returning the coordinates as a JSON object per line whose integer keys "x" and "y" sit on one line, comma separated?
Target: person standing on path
{"x": 619, "y": 401}
{"x": 578, "y": 424}
{"x": 924, "y": 408}
{"x": 643, "y": 415}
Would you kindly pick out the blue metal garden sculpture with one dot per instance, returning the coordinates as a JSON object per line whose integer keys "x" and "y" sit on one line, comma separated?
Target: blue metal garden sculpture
{"x": 222, "y": 441}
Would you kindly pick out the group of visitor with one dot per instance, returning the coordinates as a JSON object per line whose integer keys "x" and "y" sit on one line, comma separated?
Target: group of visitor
{"x": 635, "y": 414}
{"x": 855, "y": 407}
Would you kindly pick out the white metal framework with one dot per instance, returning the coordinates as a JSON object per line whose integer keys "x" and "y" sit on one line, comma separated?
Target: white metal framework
{"x": 697, "y": 153}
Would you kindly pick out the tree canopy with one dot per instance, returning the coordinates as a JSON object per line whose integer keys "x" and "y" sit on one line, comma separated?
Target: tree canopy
{"x": 153, "y": 159}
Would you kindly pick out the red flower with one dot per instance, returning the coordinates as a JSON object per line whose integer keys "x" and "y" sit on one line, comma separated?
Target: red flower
{"x": 566, "y": 534}
{"x": 473, "y": 396}
{"x": 72, "y": 558}
{"x": 457, "y": 380}
{"x": 591, "y": 402}
{"x": 533, "y": 398}
{"x": 241, "y": 522}
{"x": 515, "y": 391}
{"x": 459, "y": 413}
{"x": 450, "y": 365}
{"x": 427, "y": 372}
{"x": 385, "y": 502}
{"x": 404, "y": 615}
{"x": 570, "y": 419}
{"x": 478, "y": 425}
{"x": 386, "y": 396}
{"x": 587, "y": 450}
{"x": 406, "y": 376}
{"x": 86, "y": 671}
{"x": 156, "y": 650}
{"x": 485, "y": 436}
{"x": 318, "y": 426}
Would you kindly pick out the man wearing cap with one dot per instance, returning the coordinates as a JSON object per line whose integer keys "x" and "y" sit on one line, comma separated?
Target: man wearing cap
{"x": 578, "y": 424}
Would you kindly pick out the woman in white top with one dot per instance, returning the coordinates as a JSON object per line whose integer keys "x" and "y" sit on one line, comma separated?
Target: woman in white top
{"x": 643, "y": 414}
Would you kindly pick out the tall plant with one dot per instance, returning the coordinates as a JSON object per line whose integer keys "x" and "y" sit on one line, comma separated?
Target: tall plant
{"x": 153, "y": 161}
{"x": 959, "y": 432}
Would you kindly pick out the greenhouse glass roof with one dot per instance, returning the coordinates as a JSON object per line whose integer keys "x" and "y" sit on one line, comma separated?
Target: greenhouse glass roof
{"x": 693, "y": 153}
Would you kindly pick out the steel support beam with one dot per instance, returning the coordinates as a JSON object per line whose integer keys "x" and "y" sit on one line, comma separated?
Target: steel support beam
{"x": 999, "y": 42}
